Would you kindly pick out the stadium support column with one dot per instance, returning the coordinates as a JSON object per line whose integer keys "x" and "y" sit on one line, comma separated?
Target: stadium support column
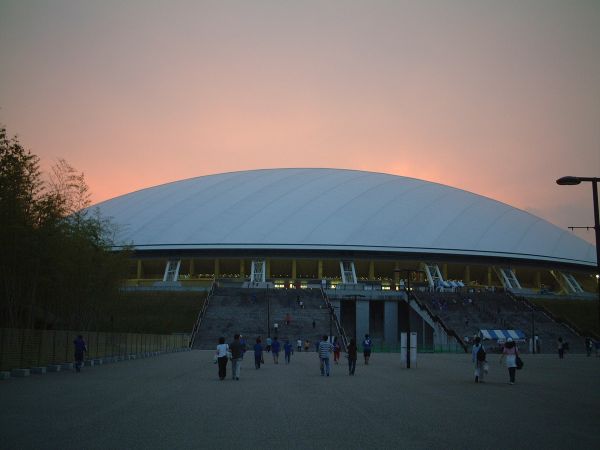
{"x": 242, "y": 268}
{"x": 467, "y": 274}
{"x": 390, "y": 323}
{"x": 217, "y": 268}
{"x": 192, "y": 268}
{"x": 320, "y": 269}
{"x": 362, "y": 319}
{"x": 294, "y": 270}
{"x": 371, "y": 270}
{"x": 140, "y": 269}
{"x": 489, "y": 276}
{"x": 538, "y": 280}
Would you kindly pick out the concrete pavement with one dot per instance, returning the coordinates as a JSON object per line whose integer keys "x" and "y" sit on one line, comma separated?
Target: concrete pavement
{"x": 177, "y": 401}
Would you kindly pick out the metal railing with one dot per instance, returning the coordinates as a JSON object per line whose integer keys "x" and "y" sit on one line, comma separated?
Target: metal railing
{"x": 25, "y": 348}
{"x": 437, "y": 319}
{"x": 333, "y": 315}
{"x": 202, "y": 313}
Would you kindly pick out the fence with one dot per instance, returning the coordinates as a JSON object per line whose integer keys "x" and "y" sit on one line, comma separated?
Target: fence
{"x": 21, "y": 348}
{"x": 450, "y": 347}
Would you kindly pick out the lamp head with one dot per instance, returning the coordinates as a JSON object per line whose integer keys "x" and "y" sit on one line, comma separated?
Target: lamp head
{"x": 568, "y": 181}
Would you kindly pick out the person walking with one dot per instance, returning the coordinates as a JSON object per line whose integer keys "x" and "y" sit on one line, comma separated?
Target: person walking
{"x": 324, "y": 349}
{"x": 221, "y": 354}
{"x": 367, "y": 346}
{"x": 275, "y": 348}
{"x": 560, "y": 346}
{"x": 588, "y": 346}
{"x": 510, "y": 353}
{"x": 268, "y": 348}
{"x": 299, "y": 345}
{"x": 80, "y": 350}
{"x": 478, "y": 356}
{"x": 258, "y": 353}
{"x": 288, "y": 349}
{"x": 237, "y": 354}
{"x": 336, "y": 350}
{"x": 351, "y": 357}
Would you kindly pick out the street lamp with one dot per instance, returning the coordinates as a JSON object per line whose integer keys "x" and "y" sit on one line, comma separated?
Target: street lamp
{"x": 571, "y": 181}
{"x": 408, "y": 272}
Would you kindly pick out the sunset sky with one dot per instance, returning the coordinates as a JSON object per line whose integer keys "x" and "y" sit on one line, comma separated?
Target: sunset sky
{"x": 499, "y": 98}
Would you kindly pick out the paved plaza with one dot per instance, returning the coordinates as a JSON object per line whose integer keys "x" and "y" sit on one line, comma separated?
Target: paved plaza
{"x": 177, "y": 401}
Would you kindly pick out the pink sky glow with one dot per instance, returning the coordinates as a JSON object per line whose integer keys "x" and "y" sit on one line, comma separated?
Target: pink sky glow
{"x": 497, "y": 98}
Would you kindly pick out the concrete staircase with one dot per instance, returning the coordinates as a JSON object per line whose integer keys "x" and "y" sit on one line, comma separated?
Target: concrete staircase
{"x": 244, "y": 310}
{"x": 490, "y": 310}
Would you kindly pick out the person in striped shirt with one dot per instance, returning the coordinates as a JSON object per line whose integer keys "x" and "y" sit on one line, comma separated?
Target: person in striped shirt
{"x": 324, "y": 350}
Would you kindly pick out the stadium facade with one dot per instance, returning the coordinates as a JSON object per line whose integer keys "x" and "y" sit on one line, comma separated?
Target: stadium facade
{"x": 359, "y": 237}
{"x": 290, "y": 227}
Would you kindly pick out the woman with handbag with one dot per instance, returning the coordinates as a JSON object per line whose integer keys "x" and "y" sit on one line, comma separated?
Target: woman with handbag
{"x": 221, "y": 355}
{"x": 510, "y": 353}
{"x": 478, "y": 356}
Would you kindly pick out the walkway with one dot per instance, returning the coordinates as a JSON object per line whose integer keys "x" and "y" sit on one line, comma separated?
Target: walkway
{"x": 176, "y": 401}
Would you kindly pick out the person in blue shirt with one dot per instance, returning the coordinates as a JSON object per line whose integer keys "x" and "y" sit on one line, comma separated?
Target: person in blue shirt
{"x": 367, "y": 345}
{"x": 80, "y": 349}
{"x": 288, "y": 349}
{"x": 275, "y": 347}
{"x": 258, "y": 353}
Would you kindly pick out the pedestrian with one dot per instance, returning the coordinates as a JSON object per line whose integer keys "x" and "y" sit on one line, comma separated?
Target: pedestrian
{"x": 243, "y": 342}
{"x": 80, "y": 350}
{"x": 275, "y": 327}
{"x": 314, "y": 324}
{"x": 301, "y": 304}
{"x": 560, "y": 346}
{"x": 268, "y": 348}
{"x": 288, "y": 349}
{"x": 306, "y": 345}
{"x": 221, "y": 355}
{"x": 275, "y": 348}
{"x": 324, "y": 349}
{"x": 510, "y": 353}
{"x": 258, "y": 353}
{"x": 588, "y": 346}
{"x": 367, "y": 346}
{"x": 336, "y": 350}
{"x": 237, "y": 354}
{"x": 351, "y": 357}
{"x": 478, "y": 357}
{"x": 288, "y": 319}
{"x": 299, "y": 345}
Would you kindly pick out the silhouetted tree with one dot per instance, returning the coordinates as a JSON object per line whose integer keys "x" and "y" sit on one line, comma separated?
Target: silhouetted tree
{"x": 56, "y": 263}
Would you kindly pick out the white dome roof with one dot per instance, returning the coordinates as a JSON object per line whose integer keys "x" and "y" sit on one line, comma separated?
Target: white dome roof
{"x": 334, "y": 209}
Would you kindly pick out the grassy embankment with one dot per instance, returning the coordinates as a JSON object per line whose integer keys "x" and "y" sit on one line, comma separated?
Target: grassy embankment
{"x": 581, "y": 313}
{"x": 155, "y": 312}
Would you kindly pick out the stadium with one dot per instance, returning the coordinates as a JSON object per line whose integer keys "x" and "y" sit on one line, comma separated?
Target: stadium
{"x": 362, "y": 239}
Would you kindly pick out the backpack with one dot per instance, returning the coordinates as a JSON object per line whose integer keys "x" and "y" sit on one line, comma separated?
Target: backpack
{"x": 481, "y": 354}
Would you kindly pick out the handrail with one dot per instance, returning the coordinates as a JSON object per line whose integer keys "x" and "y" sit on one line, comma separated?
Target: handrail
{"x": 201, "y": 313}
{"x": 436, "y": 318}
{"x": 549, "y": 314}
{"x": 338, "y": 325}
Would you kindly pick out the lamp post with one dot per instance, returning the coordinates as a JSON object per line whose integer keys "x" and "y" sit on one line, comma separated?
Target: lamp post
{"x": 268, "y": 312}
{"x": 407, "y": 291}
{"x": 571, "y": 181}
